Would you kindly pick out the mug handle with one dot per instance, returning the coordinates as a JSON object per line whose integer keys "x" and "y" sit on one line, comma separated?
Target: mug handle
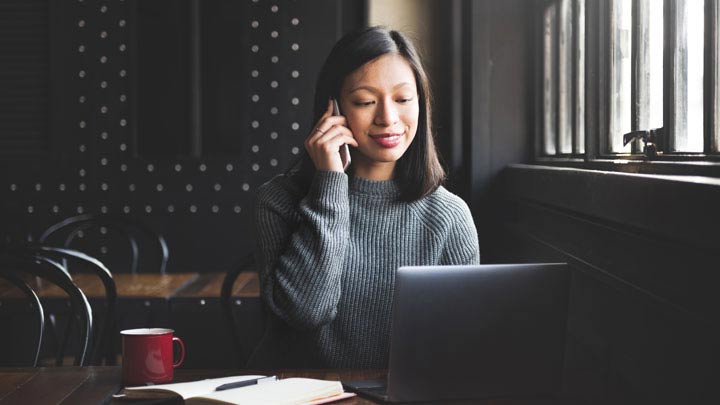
{"x": 182, "y": 351}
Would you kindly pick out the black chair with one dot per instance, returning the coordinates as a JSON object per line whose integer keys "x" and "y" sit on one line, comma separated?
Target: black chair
{"x": 132, "y": 230}
{"x": 34, "y": 304}
{"x": 226, "y": 303}
{"x": 54, "y": 272}
{"x": 103, "y": 332}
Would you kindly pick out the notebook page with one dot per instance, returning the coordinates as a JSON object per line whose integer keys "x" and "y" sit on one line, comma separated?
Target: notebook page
{"x": 286, "y": 391}
{"x": 189, "y": 389}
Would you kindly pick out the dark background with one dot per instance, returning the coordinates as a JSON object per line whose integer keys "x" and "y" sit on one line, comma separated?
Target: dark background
{"x": 98, "y": 114}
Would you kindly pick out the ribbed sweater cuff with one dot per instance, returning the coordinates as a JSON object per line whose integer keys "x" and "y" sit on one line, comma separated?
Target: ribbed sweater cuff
{"x": 330, "y": 186}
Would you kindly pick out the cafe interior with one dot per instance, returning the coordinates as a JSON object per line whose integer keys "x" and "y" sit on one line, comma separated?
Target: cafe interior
{"x": 135, "y": 134}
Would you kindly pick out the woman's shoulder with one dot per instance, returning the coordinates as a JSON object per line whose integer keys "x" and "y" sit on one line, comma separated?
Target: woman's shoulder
{"x": 442, "y": 208}
{"x": 284, "y": 186}
{"x": 443, "y": 199}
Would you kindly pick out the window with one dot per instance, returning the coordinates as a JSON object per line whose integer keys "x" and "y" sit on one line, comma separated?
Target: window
{"x": 620, "y": 73}
{"x": 649, "y": 80}
{"x": 715, "y": 56}
{"x": 616, "y": 67}
{"x": 563, "y": 78}
{"x": 579, "y": 79}
{"x": 549, "y": 81}
{"x": 686, "y": 67}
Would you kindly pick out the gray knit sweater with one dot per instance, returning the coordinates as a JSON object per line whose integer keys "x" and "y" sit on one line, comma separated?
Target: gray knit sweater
{"x": 327, "y": 263}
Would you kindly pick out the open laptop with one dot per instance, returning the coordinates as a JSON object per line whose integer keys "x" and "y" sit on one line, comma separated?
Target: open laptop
{"x": 468, "y": 332}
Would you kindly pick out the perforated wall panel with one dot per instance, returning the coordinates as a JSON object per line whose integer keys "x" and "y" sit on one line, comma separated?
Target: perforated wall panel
{"x": 202, "y": 205}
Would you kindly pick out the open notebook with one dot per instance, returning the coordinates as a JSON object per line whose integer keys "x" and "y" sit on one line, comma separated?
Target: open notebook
{"x": 285, "y": 391}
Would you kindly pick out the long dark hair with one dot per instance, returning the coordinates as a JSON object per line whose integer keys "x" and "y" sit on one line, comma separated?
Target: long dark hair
{"x": 418, "y": 172}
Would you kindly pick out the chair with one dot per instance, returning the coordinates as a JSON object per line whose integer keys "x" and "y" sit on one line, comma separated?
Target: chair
{"x": 132, "y": 230}
{"x": 34, "y": 303}
{"x": 103, "y": 333}
{"x": 54, "y": 272}
{"x": 246, "y": 264}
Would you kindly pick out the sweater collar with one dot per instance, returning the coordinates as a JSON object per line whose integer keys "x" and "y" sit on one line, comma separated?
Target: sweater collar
{"x": 382, "y": 189}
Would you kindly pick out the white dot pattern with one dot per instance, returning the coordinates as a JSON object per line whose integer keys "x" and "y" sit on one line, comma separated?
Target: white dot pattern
{"x": 109, "y": 174}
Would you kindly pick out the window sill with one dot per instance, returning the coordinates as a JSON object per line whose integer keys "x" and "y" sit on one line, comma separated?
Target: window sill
{"x": 667, "y": 165}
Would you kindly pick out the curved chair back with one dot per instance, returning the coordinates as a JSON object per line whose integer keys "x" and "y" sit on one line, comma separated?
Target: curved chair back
{"x": 103, "y": 333}
{"x": 131, "y": 229}
{"x": 54, "y": 272}
{"x": 34, "y": 303}
{"x": 226, "y": 304}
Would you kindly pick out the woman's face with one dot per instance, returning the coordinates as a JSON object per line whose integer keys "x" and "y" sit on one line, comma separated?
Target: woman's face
{"x": 380, "y": 102}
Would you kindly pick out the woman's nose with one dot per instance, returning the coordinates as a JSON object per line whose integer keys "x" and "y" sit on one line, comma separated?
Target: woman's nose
{"x": 386, "y": 114}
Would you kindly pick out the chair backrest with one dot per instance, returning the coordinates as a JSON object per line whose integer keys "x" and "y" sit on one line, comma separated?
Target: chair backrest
{"x": 103, "y": 332}
{"x": 226, "y": 303}
{"x": 34, "y": 304}
{"x": 132, "y": 230}
{"x": 54, "y": 272}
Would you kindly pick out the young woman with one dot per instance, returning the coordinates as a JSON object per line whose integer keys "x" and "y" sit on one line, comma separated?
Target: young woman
{"x": 330, "y": 241}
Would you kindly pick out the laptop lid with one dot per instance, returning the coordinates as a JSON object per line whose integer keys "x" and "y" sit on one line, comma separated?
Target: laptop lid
{"x": 479, "y": 331}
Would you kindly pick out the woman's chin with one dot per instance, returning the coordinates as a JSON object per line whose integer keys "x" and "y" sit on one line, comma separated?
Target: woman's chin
{"x": 382, "y": 156}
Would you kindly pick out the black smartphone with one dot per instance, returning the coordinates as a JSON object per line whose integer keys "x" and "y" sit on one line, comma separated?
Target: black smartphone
{"x": 344, "y": 150}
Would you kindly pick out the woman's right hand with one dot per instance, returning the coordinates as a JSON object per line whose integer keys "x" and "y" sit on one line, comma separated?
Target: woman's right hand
{"x": 323, "y": 144}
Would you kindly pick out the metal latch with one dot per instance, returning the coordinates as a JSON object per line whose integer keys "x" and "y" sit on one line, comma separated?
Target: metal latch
{"x": 651, "y": 138}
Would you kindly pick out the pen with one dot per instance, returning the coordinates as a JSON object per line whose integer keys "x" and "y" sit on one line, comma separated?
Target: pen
{"x": 245, "y": 383}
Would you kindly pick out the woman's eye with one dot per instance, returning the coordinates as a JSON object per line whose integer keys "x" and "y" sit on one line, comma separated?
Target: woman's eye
{"x": 363, "y": 103}
{"x": 405, "y": 100}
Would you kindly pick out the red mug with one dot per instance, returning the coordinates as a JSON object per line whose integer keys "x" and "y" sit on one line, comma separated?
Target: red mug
{"x": 148, "y": 355}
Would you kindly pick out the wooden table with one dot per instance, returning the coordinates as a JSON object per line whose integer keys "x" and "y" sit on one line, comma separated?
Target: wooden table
{"x": 128, "y": 285}
{"x": 146, "y": 285}
{"x": 94, "y": 385}
{"x": 247, "y": 285}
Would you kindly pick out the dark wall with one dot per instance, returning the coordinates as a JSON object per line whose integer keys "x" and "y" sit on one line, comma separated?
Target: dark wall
{"x": 128, "y": 125}
{"x": 480, "y": 70}
{"x": 494, "y": 109}
{"x": 644, "y": 307}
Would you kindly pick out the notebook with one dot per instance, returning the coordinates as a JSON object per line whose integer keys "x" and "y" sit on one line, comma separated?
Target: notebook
{"x": 285, "y": 391}
{"x": 474, "y": 332}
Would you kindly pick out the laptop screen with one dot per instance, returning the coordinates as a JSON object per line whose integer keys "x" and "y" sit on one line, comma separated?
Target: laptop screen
{"x": 477, "y": 331}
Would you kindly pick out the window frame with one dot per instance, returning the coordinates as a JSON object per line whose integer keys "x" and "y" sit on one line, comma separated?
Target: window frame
{"x": 597, "y": 65}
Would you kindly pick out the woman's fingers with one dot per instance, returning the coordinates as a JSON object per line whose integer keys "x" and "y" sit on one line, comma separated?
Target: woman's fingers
{"x": 319, "y": 132}
{"x": 317, "y": 135}
{"x": 329, "y": 109}
{"x": 328, "y": 113}
{"x": 326, "y": 138}
{"x": 325, "y": 123}
{"x": 335, "y": 135}
{"x": 324, "y": 148}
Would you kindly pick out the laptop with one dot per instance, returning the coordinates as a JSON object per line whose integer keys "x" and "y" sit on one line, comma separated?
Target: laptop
{"x": 474, "y": 332}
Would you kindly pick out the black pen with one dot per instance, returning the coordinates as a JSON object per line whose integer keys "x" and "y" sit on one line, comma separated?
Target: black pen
{"x": 245, "y": 383}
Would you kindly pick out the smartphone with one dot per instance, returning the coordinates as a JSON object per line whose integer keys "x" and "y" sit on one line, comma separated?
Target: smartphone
{"x": 344, "y": 150}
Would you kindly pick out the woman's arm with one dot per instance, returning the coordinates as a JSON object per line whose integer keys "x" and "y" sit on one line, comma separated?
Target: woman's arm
{"x": 301, "y": 268}
{"x": 461, "y": 244}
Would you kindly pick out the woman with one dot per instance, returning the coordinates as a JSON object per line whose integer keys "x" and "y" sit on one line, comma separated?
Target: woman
{"x": 330, "y": 242}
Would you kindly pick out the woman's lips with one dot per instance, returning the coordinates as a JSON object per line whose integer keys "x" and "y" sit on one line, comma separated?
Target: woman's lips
{"x": 387, "y": 140}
